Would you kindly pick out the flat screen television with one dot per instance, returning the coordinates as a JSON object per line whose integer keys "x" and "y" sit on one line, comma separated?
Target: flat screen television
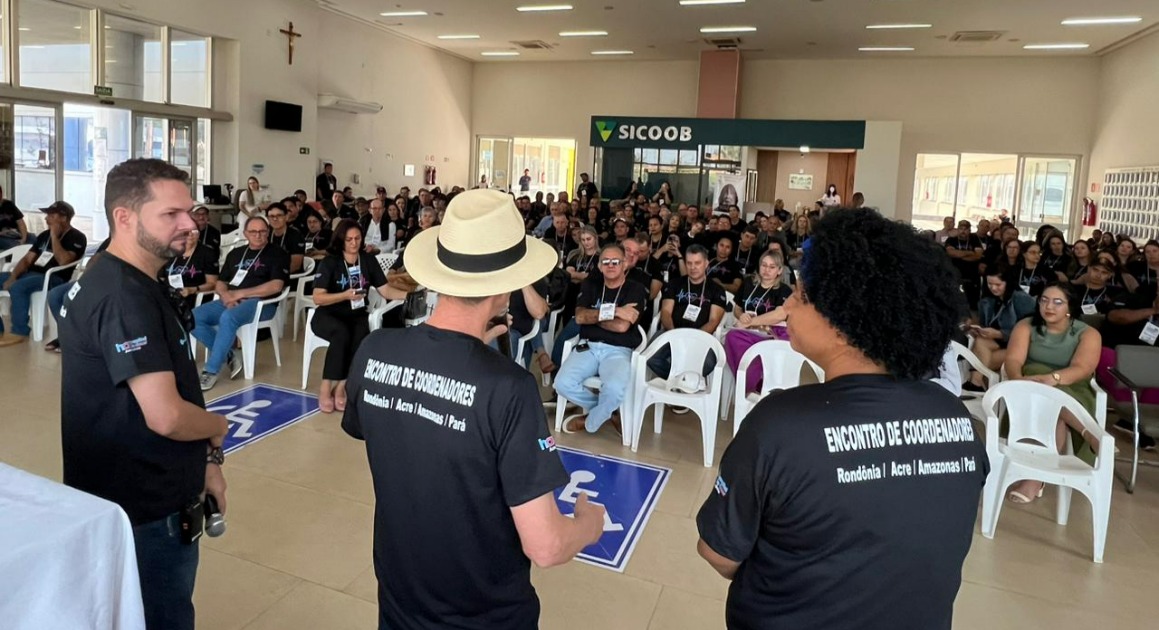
{"x": 283, "y": 116}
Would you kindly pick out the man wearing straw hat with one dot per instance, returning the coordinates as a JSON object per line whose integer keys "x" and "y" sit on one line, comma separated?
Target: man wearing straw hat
{"x": 462, "y": 461}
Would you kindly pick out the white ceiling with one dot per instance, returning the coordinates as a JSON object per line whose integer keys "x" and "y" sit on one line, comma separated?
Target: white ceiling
{"x": 787, "y": 29}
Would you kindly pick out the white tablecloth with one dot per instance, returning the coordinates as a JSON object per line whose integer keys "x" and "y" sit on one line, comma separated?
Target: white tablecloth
{"x": 66, "y": 558}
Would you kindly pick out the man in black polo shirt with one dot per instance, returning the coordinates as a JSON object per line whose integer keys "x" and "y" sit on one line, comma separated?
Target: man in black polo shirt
{"x": 462, "y": 461}
{"x": 690, "y": 301}
{"x": 134, "y": 429}
{"x": 286, "y": 237}
{"x": 822, "y": 514}
{"x": 607, "y": 310}
{"x": 325, "y": 184}
{"x": 250, "y": 274}
{"x": 724, "y": 270}
{"x": 207, "y": 235}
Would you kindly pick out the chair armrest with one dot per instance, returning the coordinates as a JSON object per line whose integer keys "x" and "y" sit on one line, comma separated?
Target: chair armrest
{"x": 277, "y": 299}
{"x": 1122, "y": 378}
{"x": 1100, "y": 403}
{"x": 48, "y": 274}
{"x": 375, "y": 315}
{"x": 200, "y": 299}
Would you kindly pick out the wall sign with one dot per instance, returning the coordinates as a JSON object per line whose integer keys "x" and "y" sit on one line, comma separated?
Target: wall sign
{"x": 689, "y": 133}
{"x": 800, "y": 181}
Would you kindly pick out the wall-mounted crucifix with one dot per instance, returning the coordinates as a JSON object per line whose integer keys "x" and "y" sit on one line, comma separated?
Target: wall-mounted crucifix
{"x": 291, "y": 36}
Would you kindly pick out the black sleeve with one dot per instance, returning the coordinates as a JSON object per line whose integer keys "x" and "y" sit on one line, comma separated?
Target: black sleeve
{"x": 529, "y": 467}
{"x": 325, "y": 274}
{"x": 296, "y": 243}
{"x": 716, "y": 295}
{"x": 730, "y": 519}
{"x": 636, "y": 293}
{"x": 208, "y": 261}
{"x": 372, "y": 271}
{"x": 41, "y": 243}
{"x": 587, "y": 290}
{"x": 746, "y": 289}
{"x": 279, "y": 265}
{"x": 669, "y": 291}
{"x": 231, "y": 261}
{"x": 128, "y": 329}
{"x": 75, "y": 241}
{"x": 541, "y": 287}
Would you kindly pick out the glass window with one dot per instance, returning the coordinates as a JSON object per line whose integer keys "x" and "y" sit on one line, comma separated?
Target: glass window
{"x": 95, "y": 140}
{"x": 189, "y": 68}
{"x": 55, "y": 46}
{"x": 204, "y": 130}
{"x": 3, "y": 51}
{"x": 1047, "y": 192}
{"x": 689, "y": 158}
{"x": 133, "y": 63}
{"x": 934, "y": 197}
{"x": 34, "y": 159}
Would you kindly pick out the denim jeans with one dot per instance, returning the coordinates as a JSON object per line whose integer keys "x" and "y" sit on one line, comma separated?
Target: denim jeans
{"x": 56, "y": 299}
{"x": 571, "y": 331}
{"x": 613, "y": 364}
{"x": 21, "y": 293}
{"x": 168, "y": 570}
{"x": 216, "y": 326}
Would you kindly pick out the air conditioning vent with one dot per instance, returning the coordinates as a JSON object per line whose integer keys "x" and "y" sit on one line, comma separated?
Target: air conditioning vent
{"x": 723, "y": 43}
{"x": 536, "y": 44}
{"x": 976, "y": 37}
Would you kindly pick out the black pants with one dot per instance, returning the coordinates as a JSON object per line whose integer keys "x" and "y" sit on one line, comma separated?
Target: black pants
{"x": 344, "y": 332}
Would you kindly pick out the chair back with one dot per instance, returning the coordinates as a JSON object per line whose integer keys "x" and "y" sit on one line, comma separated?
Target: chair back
{"x": 689, "y": 347}
{"x": 965, "y": 353}
{"x": 1138, "y": 363}
{"x": 1032, "y": 412}
{"x": 12, "y": 255}
{"x": 387, "y": 260}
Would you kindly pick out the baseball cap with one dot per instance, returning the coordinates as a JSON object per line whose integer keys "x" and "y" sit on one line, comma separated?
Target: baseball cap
{"x": 60, "y": 207}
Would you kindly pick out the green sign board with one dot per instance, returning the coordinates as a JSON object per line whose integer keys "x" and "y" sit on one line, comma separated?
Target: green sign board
{"x": 100, "y": 90}
{"x": 689, "y": 133}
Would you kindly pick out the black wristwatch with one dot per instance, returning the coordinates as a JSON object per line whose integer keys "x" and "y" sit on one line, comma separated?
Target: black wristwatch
{"x": 215, "y": 456}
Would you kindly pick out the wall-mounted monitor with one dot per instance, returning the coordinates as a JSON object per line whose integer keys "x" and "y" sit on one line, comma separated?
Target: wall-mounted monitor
{"x": 283, "y": 116}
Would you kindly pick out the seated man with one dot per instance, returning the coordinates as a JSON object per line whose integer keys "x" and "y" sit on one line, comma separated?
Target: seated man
{"x": 57, "y": 294}
{"x": 61, "y": 244}
{"x": 13, "y": 230}
{"x": 690, "y": 301}
{"x": 208, "y": 235}
{"x": 250, "y": 274}
{"x": 289, "y": 239}
{"x": 607, "y": 309}
{"x": 377, "y": 235}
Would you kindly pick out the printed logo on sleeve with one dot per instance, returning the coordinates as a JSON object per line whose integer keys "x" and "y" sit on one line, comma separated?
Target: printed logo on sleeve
{"x": 133, "y": 345}
{"x": 547, "y": 444}
{"x": 721, "y": 487}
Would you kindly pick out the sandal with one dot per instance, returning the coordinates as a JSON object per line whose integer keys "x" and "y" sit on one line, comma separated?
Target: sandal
{"x": 52, "y": 346}
{"x": 567, "y": 424}
{"x": 1021, "y": 499}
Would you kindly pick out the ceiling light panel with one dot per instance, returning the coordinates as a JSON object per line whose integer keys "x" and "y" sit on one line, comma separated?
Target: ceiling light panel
{"x": 1067, "y": 46}
{"x": 583, "y": 34}
{"x": 728, "y": 29}
{"x": 613, "y": 52}
{"x": 500, "y": 53}
{"x": 532, "y": 8}
{"x": 1099, "y": 21}
{"x": 886, "y": 49}
{"x": 897, "y": 26}
{"x": 398, "y": 14}
{"x": 701, "y": 3}
{"x": 458, "y": 37}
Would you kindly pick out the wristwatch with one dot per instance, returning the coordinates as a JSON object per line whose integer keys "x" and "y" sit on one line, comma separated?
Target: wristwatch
{"x": 215, "y": 456}
{"x": 1057, "y": 378}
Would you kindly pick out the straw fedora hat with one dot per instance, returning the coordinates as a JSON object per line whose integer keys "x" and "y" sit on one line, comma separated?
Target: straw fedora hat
{"x": 481, "y": 249}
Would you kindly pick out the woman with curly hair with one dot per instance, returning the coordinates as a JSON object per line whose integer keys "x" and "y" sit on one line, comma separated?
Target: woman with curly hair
{"x": 841, "y": 474}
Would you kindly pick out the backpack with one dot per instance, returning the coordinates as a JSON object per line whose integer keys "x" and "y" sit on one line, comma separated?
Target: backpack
{"x": 557, "y": 284}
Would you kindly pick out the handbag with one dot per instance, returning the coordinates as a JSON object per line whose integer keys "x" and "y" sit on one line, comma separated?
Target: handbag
{"x": 415, "y": 305}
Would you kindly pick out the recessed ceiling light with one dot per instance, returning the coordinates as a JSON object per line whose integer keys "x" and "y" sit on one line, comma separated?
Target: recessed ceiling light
{"x": 500, "y": 53}
{"x": 583, "y": 33}
{"x": 886, "y": 49}
{"x": 458, "y": 37}
{"x": 403, "y": 14}
{"x": 697, "y": 3}
{"x": 1075, "y": 46}
{"x": 1102, "y": 20}
{"x": 544, "y": 7}
{"x": 613, "y": 52}
{"x": 804, "y": 148}
{"x": 728, "y": 29}
{"x": 77, "y": 28}
{"x": 892, "y": 26}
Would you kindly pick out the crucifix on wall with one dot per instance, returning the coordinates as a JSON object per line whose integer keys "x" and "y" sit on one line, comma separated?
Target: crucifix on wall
{"x": 291, "y": 36}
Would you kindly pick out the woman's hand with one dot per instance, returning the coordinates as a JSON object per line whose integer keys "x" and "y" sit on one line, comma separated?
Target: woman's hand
{"x": 1045, "y": 379}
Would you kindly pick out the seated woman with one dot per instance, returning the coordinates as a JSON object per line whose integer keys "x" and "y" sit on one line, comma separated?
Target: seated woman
{"x": 341, "y": 282}
{"x": 758, "y": 306}
{"x": 1120, "y": 278}
{"x": 1002, "y": 306}
{"x": 1057, "y": 349}
{"x": 777, "y": 246}
{"x": 1055, "y": 256}
{"x": 1032, "y": 277}
{"x": 528, "y": 305}
{"x": 1081, "y": 260}
{"x": 1146, "y": 271}
{"x": 194, "y": 271}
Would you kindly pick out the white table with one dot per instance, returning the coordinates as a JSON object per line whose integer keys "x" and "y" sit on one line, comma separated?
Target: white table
{"x": 66, "y": 558}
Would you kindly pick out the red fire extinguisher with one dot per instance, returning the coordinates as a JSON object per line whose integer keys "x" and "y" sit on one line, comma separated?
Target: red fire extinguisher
{"x": 1090, "y": 212}
{"x": 430, "y": 174}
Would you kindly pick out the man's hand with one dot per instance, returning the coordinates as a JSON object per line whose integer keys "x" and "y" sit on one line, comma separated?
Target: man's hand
{"x": 590, "y": 518}
{"x": 54, "y": 229}
{"x": 229, "y": 299}
{"x": 8, "y": 283}
{"x": 215, "y": 484}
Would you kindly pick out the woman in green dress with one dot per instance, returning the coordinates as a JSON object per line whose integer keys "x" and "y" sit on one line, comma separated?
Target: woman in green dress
{"x": 1054, "y": 347}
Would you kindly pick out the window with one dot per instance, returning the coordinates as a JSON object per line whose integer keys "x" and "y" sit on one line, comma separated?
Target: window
{"x": 133, "y": 60}
{"x": 55, "y": 46}
{"x": 34, "y": 185}
{"x": 189, "y": 68}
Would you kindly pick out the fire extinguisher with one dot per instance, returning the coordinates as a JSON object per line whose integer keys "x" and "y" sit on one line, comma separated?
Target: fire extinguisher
{"x": 1090, "y": 212}
{"x": 430, "y": 174}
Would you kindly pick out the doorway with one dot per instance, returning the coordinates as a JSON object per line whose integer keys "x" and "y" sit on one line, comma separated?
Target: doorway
{"x": 549, "y": 164}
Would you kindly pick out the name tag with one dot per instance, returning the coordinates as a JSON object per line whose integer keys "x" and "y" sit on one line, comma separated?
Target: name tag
{"x": 44, "y": 259}
{"x": 175, "y": 281}
{"x": 1025, "y": 288}
{"x": 238, "y": 277}
{"x": 692, "y": 312}
{"x": 607, "y": 312}
{"x": 357, "y": 304}
{"x": 1090, "y": 309}
{"x": 1150, "y": 333}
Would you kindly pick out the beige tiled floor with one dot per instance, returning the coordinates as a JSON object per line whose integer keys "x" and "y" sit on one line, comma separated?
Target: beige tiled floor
{"x": 297, "y": 554}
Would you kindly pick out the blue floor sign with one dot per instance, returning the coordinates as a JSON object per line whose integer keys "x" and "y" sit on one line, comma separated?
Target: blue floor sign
{"x": 260, "y": 410}
{"x": 628, "y": 491}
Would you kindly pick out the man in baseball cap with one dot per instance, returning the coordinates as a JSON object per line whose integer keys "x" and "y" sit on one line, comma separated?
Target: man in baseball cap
{"x": 462, "y": 461}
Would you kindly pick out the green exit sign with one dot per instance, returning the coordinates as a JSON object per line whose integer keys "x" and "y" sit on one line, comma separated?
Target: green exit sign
{"x": 304, "y": 150}
{"x": 101, "y": 90}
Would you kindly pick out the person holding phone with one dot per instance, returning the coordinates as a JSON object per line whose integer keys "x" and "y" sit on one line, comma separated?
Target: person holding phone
{"x": 1003, "y": 306}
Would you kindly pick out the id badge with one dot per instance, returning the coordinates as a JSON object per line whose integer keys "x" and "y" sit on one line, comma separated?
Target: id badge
{"x": 44, "y": 260}
{"x": 1150, "y": 333}
{"x": 607, "y": 311}
{"x": 1090, "y": 309}
{"x": 238, "y": 277}
{"x": 357, "y": 304}
{"x": 1025, "y": 288}
{"x": 692, "y": 312}
{"x": 175, "y": 281}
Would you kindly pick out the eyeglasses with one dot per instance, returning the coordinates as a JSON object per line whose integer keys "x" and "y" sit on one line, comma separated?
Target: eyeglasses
{"x": 611, "y": 262}
{"x": 257, "y": 232}
{"x": 1055, "y": 301}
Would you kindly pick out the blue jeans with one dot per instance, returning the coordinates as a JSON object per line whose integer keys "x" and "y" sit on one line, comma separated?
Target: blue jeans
{"x": 21, "y": 293}
{"x": 570, "y": 331}
{"x": 216, "y": 326}
{"x": 8, "y": 242}
{"x": 661, "y": 362}
{"x": 612, "y": 364}
{"x": 168, "y": 570}
{"x": 56, "y": 299}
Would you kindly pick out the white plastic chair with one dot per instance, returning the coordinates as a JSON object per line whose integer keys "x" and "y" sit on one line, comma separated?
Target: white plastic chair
{"x": 12, "y": 255}
{"x": 552, "y": 328}
{"x": 299, "y": 299}
{"x": 248, "y": 334}
{"x": 689, "y": 347}
{"x": 1033, "y": 409}
{"x": 521, "y": 344}
{"x": 781, "y": 369}
{"x": 38, "y": 305}
{"x": 314, "y": 342}
{"x": 655, "y": 316}
{"x": 594, "y": 383}
{"x": 973, "y": 400}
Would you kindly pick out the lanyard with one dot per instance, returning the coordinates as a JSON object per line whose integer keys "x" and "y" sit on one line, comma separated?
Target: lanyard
{"x": 183, "y": 267}
{"x": 747, "y": 258}
{"x": 615, "y": 300}
{"x": 705, "y": 285}
{"x": 1028, "y": 280}
{"x": 241, "y": 263}
{"x": 1096, "y": 300}
{"x": 763, "y": 296}
{"x": 350, "y": 276}
{"x": 585, "y": 265}
{"x": 716, "y": 266}
{"x": 990, "y": 324}
{"x": 205, "y": 236}
{"x": 282, "y": 243}
{"x": 1081, "y": 271}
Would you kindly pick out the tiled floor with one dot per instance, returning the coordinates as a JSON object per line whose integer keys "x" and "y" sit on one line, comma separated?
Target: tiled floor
{"x": 297, "y": 553}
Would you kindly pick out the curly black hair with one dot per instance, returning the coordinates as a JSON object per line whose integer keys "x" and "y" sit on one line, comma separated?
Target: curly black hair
{"x": 890, "y": 293}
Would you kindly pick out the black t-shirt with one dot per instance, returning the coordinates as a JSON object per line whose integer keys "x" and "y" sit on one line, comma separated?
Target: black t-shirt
{"x": 325, "y": 185}
{"x": 753, "y": 299}
{"x": 1035, "y": 279}
{"x": 455, "y": 437}
{"x": 1057, "y": 263}
{"x": 317, "y": 240}
{"x": 682, "y": 292}
{"x": 561, "y": 245}
{"x": 727, "y": 271}
{"x": 193, "y": 270}
{"x": 9, "y": 215}
{"x": 593, "y": 293}
{"x": 1102, "y": 299}
{"x": 333, "y": 275}
{"x": 211, "y": 238}
{"x": 115, "y": 325}
{"x": 261, "y": 266}
{"x": 644, "y": 279}
{"x": 521, "y": 320}
{"x": 824, "y": 497}
{"x": 967, "y": 269}
{"x": 1147, "y": 278}
{"x": 747, "y": 262}
{"x": 292, "y": 242}
{"x": 1125, "y": 334}
{"x": 73, "y": 240}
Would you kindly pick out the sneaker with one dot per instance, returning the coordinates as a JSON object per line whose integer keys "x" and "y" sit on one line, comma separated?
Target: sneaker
{"x": 208, "y": 381}
{"x": 1146, "y": 442}
{"x": 235, "y": 365}
{"x": 8, "y": 339}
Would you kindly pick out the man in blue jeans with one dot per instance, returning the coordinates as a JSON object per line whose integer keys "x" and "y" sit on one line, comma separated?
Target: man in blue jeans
{"x": 59, "y": 245}
{"x": 250, "y": 274}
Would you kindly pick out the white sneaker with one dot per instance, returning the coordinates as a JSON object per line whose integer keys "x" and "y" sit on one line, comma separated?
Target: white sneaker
{"x": 235, "y": 365}
{"x": 208, "y": 381}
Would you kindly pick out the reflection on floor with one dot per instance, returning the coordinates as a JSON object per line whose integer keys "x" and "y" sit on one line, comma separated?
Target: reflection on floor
{"x": 297, "y": 554}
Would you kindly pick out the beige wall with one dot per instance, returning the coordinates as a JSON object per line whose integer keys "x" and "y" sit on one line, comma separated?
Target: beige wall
{"x": 815, "y": 164}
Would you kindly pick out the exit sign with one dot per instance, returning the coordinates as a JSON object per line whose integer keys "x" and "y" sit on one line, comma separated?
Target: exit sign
{"x": 100, "y": 90}
{"x": 304, "y": 150}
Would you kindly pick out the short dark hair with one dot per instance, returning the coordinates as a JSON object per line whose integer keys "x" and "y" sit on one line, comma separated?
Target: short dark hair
{"x": 613, "y": 245}
{"x": 277, "y": 205}
{"x": 338, "y": 240}
{"x": 697, "y": 248}
{"x": 891, "y": 294}
{"x": 751, "y": 228}
{"x": 129, "y": 184}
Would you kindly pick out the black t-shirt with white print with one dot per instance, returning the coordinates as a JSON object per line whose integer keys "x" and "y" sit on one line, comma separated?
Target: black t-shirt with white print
{"x": 593, "y": 293}
{"x": 747, "y": 262}
{"x": 753, "y": 299}
{"x": 260, "y": 266}
{"x": 72, "y": 240}
{"x": 455, "y": 436}
{"x": 334, "y": 275}
{"x": 726, "y": 271}
{"x": 192, "y": 269}
{"x": 824, "y": 497}
{"x": 683, "y": 293}
{"x": 292, "y": 242}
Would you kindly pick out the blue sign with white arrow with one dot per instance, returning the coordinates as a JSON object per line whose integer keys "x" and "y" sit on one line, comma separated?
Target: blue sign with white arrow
{"x": 259, "y": 411}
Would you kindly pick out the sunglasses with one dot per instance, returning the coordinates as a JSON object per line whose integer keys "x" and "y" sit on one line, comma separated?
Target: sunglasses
{"x": 611, "y": 262}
